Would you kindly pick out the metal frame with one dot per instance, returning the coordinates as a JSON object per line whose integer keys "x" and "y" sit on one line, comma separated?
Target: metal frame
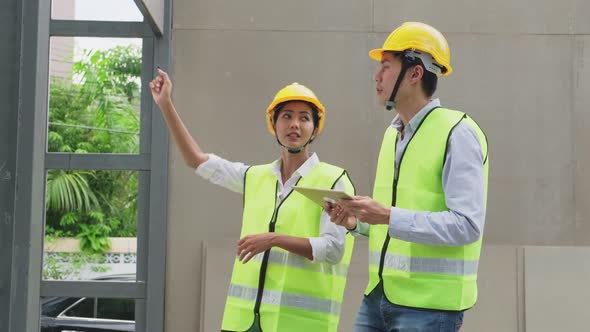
{"x": 66, "y": 28}
{"x": 150, "y": 19}
{"x": 158, "y": 212}
{"x": 107, "y": 289}
{"x": 32, "y": 162}
{"x": 140, "y": 162}
{"x": 29, "y": 200}
{"x": 9, "y": 82}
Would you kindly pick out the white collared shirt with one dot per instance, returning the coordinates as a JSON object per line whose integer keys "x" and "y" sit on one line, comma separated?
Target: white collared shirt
{"x": 328, "y": 247}
{"x": 463, "y": 181}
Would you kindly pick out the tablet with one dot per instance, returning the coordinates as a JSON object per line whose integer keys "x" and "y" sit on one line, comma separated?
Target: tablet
{"x": 320, "y": 196}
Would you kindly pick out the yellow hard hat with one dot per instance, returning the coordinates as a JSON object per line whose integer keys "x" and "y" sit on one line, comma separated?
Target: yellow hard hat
{"x": 295, "y": 92}
{"x": 421, "y": 37}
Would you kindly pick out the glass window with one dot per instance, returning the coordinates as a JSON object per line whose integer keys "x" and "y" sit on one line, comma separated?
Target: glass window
{"x": 83, "y": 308}
{"x": 121, "y": 309}
{"x": 90, "y": 225}
{"x": 94, "y": 95}
{"x": 94, "y": 10}
{"x": 52, "y": 306}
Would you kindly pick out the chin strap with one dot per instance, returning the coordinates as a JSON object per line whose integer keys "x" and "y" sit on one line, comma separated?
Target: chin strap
{"x": 294, "y": 150}
{"x": 409, "y": 59}
{"x": 390, "y": 104}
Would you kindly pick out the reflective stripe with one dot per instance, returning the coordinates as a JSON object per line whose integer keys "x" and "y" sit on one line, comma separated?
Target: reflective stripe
{"x": 285, "y": 299}
{"x": 292, "y": 260}
{"x": 426, "y": 265}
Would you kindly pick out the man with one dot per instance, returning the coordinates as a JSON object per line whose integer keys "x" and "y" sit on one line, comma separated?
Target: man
{"x": 426, "y": 217}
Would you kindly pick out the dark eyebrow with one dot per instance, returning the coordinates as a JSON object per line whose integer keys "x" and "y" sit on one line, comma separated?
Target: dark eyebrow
{"x": 306, "y": 112}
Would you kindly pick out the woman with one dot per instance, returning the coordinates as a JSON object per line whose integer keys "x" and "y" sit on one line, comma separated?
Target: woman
{"x": 291, "y": 265}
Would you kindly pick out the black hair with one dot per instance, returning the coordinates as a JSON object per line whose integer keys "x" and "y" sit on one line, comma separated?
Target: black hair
{"x": 429, "y": 79}
{"x": 429, "y": 82}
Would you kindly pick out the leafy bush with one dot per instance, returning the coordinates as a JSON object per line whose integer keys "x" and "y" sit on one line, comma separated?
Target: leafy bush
{"x": 96, "y": 111}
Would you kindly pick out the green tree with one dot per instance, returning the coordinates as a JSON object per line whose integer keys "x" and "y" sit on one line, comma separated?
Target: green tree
{"x": 97, "y": 111}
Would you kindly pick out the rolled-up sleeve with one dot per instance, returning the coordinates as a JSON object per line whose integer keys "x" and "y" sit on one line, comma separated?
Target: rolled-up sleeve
{"x": 329, "y": 247}
{"x": 224, "y": 173}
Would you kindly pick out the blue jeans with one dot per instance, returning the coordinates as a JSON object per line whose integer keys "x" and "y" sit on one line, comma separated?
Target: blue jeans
{"x": 377, "y": 314}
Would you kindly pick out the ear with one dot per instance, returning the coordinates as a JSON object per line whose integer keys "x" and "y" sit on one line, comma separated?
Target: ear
{"x": 416, "y": 74}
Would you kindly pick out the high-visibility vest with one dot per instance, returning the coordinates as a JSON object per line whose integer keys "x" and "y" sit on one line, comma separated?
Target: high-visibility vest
{"x": 418, "y": 275}
{"x": 277, "y": 289}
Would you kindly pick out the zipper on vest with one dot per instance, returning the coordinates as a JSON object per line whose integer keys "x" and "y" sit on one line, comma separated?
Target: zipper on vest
{"x": 264, "y": 264}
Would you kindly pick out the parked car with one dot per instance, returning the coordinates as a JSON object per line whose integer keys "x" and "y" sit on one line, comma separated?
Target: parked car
{"x": 88, "y": 314}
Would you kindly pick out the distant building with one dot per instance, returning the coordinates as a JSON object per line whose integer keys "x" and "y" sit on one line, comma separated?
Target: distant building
{"x": 62, "y": 48}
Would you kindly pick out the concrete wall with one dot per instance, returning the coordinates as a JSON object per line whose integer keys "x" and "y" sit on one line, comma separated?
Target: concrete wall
{"x": 521, "y": 70}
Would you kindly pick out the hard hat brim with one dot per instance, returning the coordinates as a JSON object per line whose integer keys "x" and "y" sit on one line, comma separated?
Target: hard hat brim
{"x": 377, "y": 54}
